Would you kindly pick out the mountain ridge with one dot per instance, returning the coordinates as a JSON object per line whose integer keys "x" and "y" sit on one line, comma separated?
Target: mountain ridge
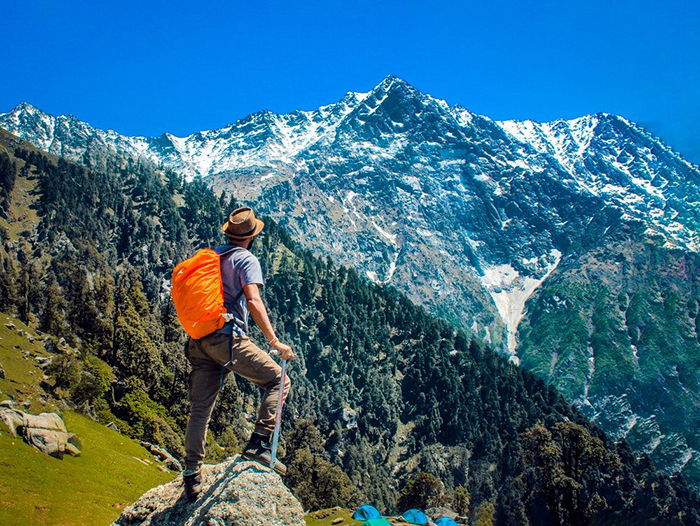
{"x": 391, "y": 389}
{"x": 471, "y": 217}
{"x": 196, "y": 155}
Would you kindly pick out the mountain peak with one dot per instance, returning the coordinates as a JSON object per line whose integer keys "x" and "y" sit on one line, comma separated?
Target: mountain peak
{"x": 392, "y": 83}
{"x": 393, "y": 91}
{"x": 23, "y": 107}
{"x": 393, "y": 79}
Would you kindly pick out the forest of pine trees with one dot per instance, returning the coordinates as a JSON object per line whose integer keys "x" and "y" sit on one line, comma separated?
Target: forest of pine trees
{"x": 441, "y": 418}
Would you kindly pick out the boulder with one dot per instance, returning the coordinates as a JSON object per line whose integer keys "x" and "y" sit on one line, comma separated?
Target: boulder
{"x": 234, "y": 493}
{"x": 43, "y": 361}
{"x": 170, "y": 461}
{"x": 2, "y": 372}
{"x": 47, "y": 432}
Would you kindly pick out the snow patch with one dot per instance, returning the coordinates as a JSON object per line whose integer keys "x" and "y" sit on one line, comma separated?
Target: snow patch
{"x": 386, "y": 235}
{"x": 510, "y": 291}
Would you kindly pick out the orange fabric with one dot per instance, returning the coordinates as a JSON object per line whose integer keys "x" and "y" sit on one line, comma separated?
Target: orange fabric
{"x": 198, "y": 293}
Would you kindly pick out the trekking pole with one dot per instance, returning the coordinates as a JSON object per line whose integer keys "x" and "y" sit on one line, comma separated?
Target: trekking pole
{"x": 278, "y": 416}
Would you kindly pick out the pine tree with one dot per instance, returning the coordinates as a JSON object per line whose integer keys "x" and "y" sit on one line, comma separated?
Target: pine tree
{"x": 461, "y": 500}
{"x": 422, "y": 492}
{"x": 53, "y": 318}
{"x": 484, "y": 514}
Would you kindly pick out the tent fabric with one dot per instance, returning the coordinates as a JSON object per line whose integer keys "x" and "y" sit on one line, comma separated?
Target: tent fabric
{"x": 381, "y": 521}
{"x": 415, "y": 516}
{"x": 445, "y": 521}
{"x": 366, "y": 512}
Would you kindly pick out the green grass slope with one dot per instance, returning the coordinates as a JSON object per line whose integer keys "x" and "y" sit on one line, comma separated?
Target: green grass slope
{"x": 112, "y": 472}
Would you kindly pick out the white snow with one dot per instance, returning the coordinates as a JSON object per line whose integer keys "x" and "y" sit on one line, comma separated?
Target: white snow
{"x": 566, "y": 141}
{"x": 499, "y": 276}
{"x": 628, "y": 184}
{"x": 392, "y": 268}
{"x": 510, "y": 291}
{"x": 372, "y": 275}
{"x": 386, "y": 235}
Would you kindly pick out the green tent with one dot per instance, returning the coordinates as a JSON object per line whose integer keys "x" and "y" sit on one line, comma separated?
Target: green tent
{"x": 376, "y": 522}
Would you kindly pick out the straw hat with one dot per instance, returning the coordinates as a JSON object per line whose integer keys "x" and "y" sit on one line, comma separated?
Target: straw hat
{"x": 242, "y": 224}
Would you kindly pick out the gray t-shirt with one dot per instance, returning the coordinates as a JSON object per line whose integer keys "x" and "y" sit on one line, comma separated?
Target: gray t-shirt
{"x": 239, "y": 267}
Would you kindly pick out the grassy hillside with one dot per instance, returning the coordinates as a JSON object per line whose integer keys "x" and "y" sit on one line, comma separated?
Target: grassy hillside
{"x": 112, "y": 471}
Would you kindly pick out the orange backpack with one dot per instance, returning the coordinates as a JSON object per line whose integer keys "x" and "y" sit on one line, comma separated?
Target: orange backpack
{"x": 198, "y": 294}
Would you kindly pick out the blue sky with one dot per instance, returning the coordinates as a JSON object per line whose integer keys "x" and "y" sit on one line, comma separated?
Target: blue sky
{"x": 143, "y": 68}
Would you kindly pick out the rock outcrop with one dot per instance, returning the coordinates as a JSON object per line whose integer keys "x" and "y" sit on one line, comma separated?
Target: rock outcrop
{"x": 234, "y": 493}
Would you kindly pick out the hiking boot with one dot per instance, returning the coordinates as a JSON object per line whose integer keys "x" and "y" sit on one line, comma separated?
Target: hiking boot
{"x": 193, "y": 484}
{"x": 259, "y": 449}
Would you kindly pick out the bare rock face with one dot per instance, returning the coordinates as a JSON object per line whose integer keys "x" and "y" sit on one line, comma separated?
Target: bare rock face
{"x": 234, "y": 493}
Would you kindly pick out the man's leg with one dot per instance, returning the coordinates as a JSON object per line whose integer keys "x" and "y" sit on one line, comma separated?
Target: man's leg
{"x": 257, "y": 366}
{"x": 204, "y": 384}
{"x": 251, "y": 363}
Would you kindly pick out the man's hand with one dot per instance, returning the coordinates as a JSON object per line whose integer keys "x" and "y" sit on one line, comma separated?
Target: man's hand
{"x": 285, "y": 351}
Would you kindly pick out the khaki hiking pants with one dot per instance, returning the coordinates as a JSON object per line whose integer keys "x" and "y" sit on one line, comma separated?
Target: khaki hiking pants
{"x": 206, "y": 357}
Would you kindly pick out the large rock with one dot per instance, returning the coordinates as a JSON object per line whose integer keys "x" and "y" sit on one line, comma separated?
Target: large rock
{"x": 235, "y": 493}
{"x": 47, "y": 432}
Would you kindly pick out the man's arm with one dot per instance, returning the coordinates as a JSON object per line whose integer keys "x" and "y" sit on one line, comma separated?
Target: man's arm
{"x": 259, "y": 314}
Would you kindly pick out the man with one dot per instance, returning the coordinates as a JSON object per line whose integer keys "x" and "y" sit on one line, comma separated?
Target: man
{"x": 229, "y": 349}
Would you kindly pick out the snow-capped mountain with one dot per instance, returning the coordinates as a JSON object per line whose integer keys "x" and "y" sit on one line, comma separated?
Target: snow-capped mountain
{"x": 471, "y": 217}
{"x": 408, "y": 178}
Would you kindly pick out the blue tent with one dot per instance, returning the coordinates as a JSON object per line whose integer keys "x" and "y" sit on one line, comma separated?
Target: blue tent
{"x": 415, "y": 517}
{"x": 444, "y": 521}
{"x": 366, "y": 512}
